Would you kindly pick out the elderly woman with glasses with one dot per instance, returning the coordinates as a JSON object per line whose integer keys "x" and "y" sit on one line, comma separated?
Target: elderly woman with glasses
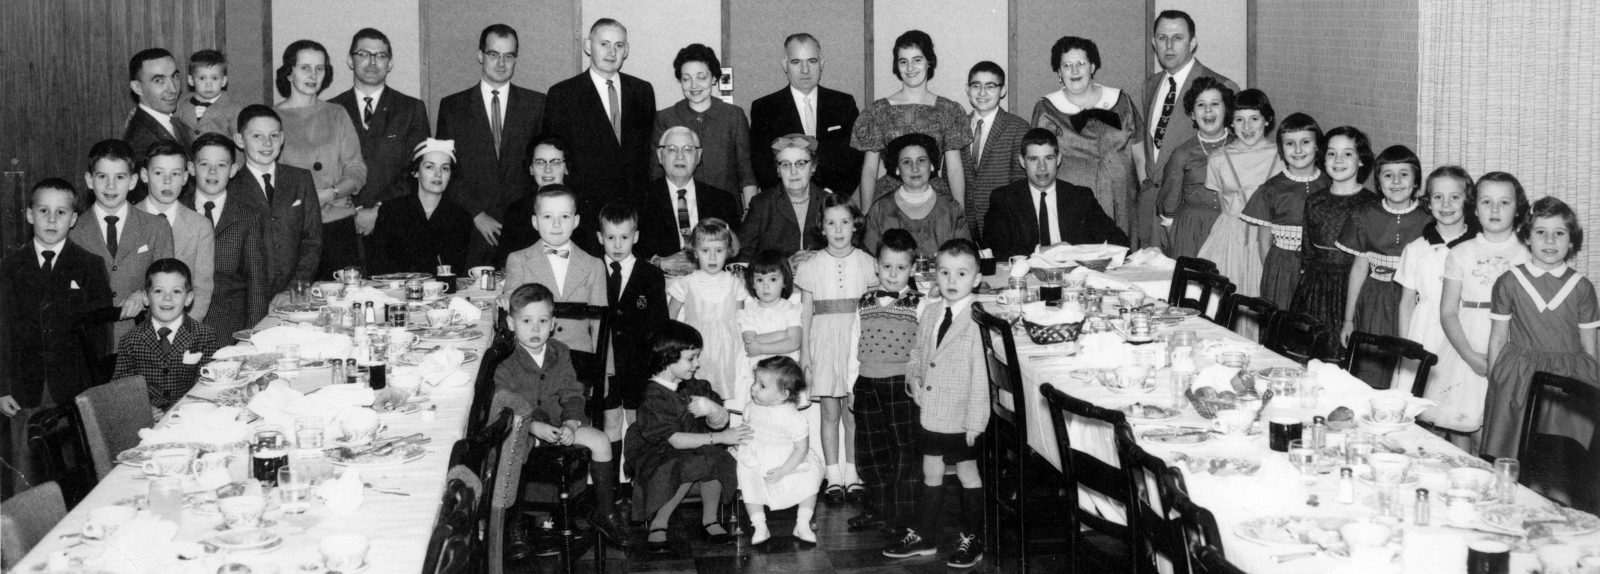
{"x": 786, "y": 218}
{"x": 1101, "y": 133}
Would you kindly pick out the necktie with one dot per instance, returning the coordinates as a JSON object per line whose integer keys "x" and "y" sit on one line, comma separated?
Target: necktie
{"x": 1044, "y": 219}
{"x": 48, "y": 256}
{"x": 614, "y": 284}
{"x": 977, "y": 142}
{"x": 111, "y": 235}
{"x": 616, "y": 110}
{"x": 166, "y": 345}
{"x": 210, "y": 210}
{"x": 494, "y": 119}
{"x": 683, "y": 215}
{"x": 1166, "y": 112}
{"x": 944, "y": 326}
{"x": 562, "y": 253}
{"x": 266, "y": 185}
{"x": 809, "y": 118}
{"x": 366, "y": 113}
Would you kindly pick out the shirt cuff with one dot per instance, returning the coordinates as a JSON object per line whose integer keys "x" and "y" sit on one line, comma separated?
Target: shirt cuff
{"x": 1494, "y": 317}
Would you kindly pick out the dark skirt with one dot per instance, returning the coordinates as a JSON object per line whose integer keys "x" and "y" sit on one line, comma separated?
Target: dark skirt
{"x": 341, "y": 248}
{"x": 1509, "y": 380}
{"x": 1378, "y": 313}
{"x": 1321, "y": 294}
{"x": 1190, "y": 228}
{"x": 658, "y": 471}
{"x": 1280, "y": 275}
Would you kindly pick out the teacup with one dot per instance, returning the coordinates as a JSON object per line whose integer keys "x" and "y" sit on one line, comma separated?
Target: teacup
{"x": 1388, "y": 409}
{"x": 432, "y": 289}
{"x": 1234, "y": 422}
{"x": 344, "y": 552}
{"x": 211, "y": 469}
{"x": 191, "y": 410}
{"x": 359, "y": 427}
{"x": 1368, "y": 542}
{"x": 1388, "y": 467}
{"x": 225, "y": 370}
{"x": 1130, "y": 298}
{"x": 348, "y": 275}
{"x": 175, "y": 461}
{"x": 243, "y": 511}
{"x": 327, "y": 290}
{"x": 1468, "y": 478}
{"x": 478, "y": 271}
{"x": 105, "y": 520}
{"x": 440, "y": 318}
{"x": 408, "y": 381}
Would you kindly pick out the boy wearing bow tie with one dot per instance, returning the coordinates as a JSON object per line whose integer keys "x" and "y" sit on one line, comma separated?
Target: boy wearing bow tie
{"x": 574, "y": 275}
{"x": 168, "y": 348}
{"x": 209, "y": 108}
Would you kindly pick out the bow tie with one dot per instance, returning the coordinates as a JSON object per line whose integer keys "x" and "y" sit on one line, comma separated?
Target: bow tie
{"x": 890, "y": 294}
{"x": 562, "y": 253}
{"x": 199, "y": 102}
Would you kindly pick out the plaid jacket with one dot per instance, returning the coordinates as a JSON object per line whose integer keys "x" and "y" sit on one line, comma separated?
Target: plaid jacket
{"x": 169, "y": 376}
{"x": 949, "y": 380}
{"x": 239, "y": 292}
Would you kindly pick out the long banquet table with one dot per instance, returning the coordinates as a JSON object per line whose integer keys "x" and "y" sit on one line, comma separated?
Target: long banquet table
{"x": 1277, "y": 489}
{"x": 398, "y": 526}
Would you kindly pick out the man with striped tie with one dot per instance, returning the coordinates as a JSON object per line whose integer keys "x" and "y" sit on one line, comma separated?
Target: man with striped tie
{"x": 673, "y": 204}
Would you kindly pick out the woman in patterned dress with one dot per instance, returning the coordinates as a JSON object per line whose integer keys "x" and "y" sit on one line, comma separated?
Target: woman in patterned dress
{"x": 912, "y": 109}
{"x": 1101, "y": 133}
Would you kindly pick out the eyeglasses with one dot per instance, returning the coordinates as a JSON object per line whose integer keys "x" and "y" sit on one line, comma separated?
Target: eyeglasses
{"x": 365, "y": 55}
{"x": 500, "y": 56}
{"x": 794, "y": 165}
{"x": 550, "y": 163}
{"x": 676, "y": 150}
{"x": 983, "y": 86}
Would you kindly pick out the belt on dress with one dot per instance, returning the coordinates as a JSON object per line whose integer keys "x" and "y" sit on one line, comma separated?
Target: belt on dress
{"x": 1474, "y": 304}
{"x": 831, "y": 306}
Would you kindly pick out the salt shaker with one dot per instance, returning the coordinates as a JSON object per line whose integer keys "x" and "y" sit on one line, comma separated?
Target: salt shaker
{"x": 1347, "y": 486}
{"x": 1318, "y": 432}
{"x": 1420, "y": 516}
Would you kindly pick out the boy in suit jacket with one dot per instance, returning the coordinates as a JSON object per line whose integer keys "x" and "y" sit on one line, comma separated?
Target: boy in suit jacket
{"x": 169, "y": 348}
{"x": 636, "y": 291}
{"x": 127, "y": 239}
{"x": 165, "y": 174}
{"x": 554, "y": 260}
{"x": 949, "y": 379}
{"x": 782, "y": 112}
{"x": 663, "y": 231}
{"x": 283, "y": 194}
{"x": 997, "y": 137}
{"x": 210, "y": 109}
{"x": 239, "y": 263}
{"x": 493, "y": 148}
{"x": 548, "y": 166}
{"x": 45, "y": 285}
{"x": 1012, "y": 226}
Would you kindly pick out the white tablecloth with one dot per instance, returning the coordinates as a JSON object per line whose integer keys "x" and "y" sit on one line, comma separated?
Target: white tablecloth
{"x": 399, "y": 526}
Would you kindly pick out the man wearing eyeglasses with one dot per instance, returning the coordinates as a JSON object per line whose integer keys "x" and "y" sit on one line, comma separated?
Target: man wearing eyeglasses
{"x": 390, "y": 124}
{"x": 492, "y": 124}
{"x": 606, "y": 117}
{"x": 996, "y": 138}
{"x": 673, "y": 204}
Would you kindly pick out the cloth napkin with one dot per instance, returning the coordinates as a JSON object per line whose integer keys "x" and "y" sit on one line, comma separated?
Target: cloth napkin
{"x": 314, "y": 345}
{"x": 344, "y": 495}
{"x": 239, "y": 350}
{"x": 138, "y": 546}
{"x": 1218, "y": 377}
{"x": 281, "y": 405}
{"x": 365, "y": 294}
{"x": 1152, "y": 258}
{"x": 1341, "y": 389}
{"x": 469, "y": 312}
{"x": 443, "y": 368}
{"x": 216, "y": 427}
{"x": 1063, "y": 254}
{"x": 1104, "y": 351}
{"x": 1042, "y": 314}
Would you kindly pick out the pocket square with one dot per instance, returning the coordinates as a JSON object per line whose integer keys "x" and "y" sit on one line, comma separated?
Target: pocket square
{"x": 75, "y": 284}
{"x": 143, "y": 248}
{"x": 296, "y": 203}
{"x": 191, "y": 358}
{"x": 833, "y": 128}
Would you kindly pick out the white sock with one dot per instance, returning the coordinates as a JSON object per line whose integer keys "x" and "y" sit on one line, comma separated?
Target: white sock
{"x": 850, "y": 476}
{"x": 835, "y": 476}
{"x": 758, "y": 528}
{"x": 802, "y": 525}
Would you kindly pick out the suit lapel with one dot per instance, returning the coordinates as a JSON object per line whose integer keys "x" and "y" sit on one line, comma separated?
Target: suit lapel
{"x": 133, "y": 236}
{"x": 958, "y": 327}
{"x": 569, "y": 283}
{"x": 94, "y": 239}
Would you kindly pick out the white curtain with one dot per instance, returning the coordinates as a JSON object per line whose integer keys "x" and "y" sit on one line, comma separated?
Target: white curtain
{"x": 1514, "y": 85}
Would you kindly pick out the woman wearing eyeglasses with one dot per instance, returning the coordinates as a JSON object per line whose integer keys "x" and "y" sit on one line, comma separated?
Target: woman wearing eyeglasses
{"x": 1101, "y": 133}
{"x": 724, "y": 132}
{"x": 774, "y": 220}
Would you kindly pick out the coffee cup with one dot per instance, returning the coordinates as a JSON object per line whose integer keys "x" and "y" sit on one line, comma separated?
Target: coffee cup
{"x": 1488, "y": 557}
{"x": 327, "y": 290}
{"x": 1388, "y": 410}
{"x": 221, "y": 371}
{"x": 440, "y": 318}
{"x": 408, "y": 381}
{"x": 1368, "y": 543}
{"x": 105, "y": 520}
{"x": 1233, "y": 422}
{"x": 348, "y": 275}
{"x": 432, "y": 289}
{"x": 1388, "y": 467}
{"x": 174, "y": 461}
{"x": 359, "y": 427}
{"x": 243, "y": 511}
{"x": 344, "y": 552}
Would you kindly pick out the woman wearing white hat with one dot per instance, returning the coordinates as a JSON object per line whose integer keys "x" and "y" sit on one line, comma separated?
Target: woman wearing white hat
{"x": 421, "y": 231}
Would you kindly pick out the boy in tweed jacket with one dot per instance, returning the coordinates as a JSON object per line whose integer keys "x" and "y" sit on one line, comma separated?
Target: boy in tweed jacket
{"x": 168, "y": 348}
{"x": 948, "y": 379}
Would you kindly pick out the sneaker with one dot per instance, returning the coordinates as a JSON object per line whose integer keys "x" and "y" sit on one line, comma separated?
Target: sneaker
{"x": 910, "y": 545}
{"x": 969, "y": 552}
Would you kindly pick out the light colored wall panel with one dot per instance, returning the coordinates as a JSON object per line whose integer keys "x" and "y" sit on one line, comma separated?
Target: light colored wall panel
{"x": 758, "y": 28}
{"x": 450, "y": 28}
{"x": 1117, "y": 27}
{"x": 333, "y": 23}
{"x": 1223, "y": 34}
{"x": 656, "y": 31}
{"x": 964, "y": 33}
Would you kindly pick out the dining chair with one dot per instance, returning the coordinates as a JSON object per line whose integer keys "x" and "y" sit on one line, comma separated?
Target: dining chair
{"x": 1008, "y": 458}
{"x": 1213, "y": 562}
{"x": 1179, "y": 288}
{"x": 483, "y": 386}
{"x": 112, "y": 415}
{"x": 591, "y": 366}
{"x": 1296, "y": 335}
{"x": 453, "y": 547}
{"x": 1198, "y": 525}
{"x": 1237, "y": 308}
{"x": 1106, "y": 546}
{"x": 480, "y": 453}
{"x": 508, "y": 488}
{"x": 1214, "y": 291}
{"x": 25, "y": 519}
{"x": 1383, "y": 354}
{"x": 1560, "y": 467}
{"x": 56, "y": 441}
{"x": 1160, "y": 537}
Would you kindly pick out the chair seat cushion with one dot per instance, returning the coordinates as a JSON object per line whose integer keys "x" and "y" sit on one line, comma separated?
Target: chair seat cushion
{"x": 1558, "y": 468}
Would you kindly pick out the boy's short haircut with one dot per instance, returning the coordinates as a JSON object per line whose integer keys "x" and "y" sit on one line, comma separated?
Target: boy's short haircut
{"x": 112, "y": 149}
{"x": 53, "y": 183}
{"x": 552, "y": 191}
{"x": 769, "y": 261}
{"x": 990, "y": 67}
{"x": 669, "y": 341}
{"x": 959, "y": 246}
{"x": 618, "y": 213}
{"x": 897, "y": 240}
{"x": 254, "y": 111}
{"x": 163, "y": 148}
{"x": 207, "y": 58}
{"x": 529, "y": 294}
{"x": 168, "y": 265}
{"x": 214, "y": 139}
{"x": 136, "y": 63}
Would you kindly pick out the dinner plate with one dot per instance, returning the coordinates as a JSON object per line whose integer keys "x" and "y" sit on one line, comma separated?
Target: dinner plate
{"x": 136, "y": 456}
{"x": 1145, "y": 389}
{"x": 1375, "y": 427}
{"x": 1085, "y": 375}
{"x": 1219, "y": 465}
{"x": 228, "y": 384}
{"x": 1174, "y": 435}
{"x": 414, "y": 358}
{"x": 401, "y": 455}
{"x": 244, "y": 335}
{"x": 1139, "y": 412}
{"x": 451, "y": 335}
{"x": 1409, "y": 482}
{"x": 246, "y": 539}
{"x": 1293, "y": 530}
{"x": 1560, "y": 521}
{"x": 1173, "y": 314}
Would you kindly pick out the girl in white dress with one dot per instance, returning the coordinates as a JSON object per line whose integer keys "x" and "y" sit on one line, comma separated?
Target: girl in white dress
{"x": 777, "y": 468}
{"x": 1449, "y": 196}
{"x": 771, "y": 326}
{"x": 709, "y": 300}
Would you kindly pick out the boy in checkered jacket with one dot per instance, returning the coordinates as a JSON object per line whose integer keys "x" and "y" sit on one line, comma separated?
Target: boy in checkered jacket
{"x": 948, "y": 378}
{"x": 169, "y": 347}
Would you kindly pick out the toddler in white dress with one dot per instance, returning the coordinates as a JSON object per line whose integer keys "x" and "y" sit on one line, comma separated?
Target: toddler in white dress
{"x": 777, "y": 468}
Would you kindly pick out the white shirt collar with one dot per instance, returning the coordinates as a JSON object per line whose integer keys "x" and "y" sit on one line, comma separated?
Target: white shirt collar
{"x": 156, "y": 326}
{"x": 987, "y": 117}
{"x": 122, "y": 214}
{"x": 1537, "y": 271}
{"x": 627, "y": 270}
{"x": 670, "y": 385}
{"x": 485, "y": 90}
{"x": 600, "y": 88}
{"x": 152, "y": 207}
{"x": 800, "y": 97}
{"x": 539, "y": 357}
{"x": 220, "y": 200}
{"x": 272, "y": 171}
{"x": 376, "y": 95}
{"x": 40, "y": 247}
{"x": 1183, "y": 73}
{"x": 164, "y": 119}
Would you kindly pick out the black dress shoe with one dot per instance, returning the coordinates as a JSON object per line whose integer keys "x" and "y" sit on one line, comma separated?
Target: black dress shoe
{"x": 612, "y": 527}
{"x": 718, "y": 539}
{"x": 834, "y": 495}
{"x": 866, "y": 521}
{"x": 519, "y": 547}
{"x": 658, "y": 547}
{"x": 855, "y": 493}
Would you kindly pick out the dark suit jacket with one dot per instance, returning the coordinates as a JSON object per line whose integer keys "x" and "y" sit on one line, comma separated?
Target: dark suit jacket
{"x": 603, "y": 168}
{"x": 658, "y": 216}
{"x": 406, "y": 239}
{"x": 292, "y": 232}
{"x": 1179, "y": 127}
{"x": 486, "y": 182}
{"x": 775, "y": 115}
{"x": 239, "y": 296}
{"x": 399, "y": 122}
{"x": 1012, "y": 226}
{"x": 37, "y": 310}
{"x": 144, "y": 239}
{"x": 997, "y": 167}
{"x": 142, "y": 130}
{"x": 635, "y": 314}
{"x": 770, "y": 224}
{"x": 166, "y": 374}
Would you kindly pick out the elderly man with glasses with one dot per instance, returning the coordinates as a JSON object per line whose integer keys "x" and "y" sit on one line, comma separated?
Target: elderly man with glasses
{"x": 672, "y": 205}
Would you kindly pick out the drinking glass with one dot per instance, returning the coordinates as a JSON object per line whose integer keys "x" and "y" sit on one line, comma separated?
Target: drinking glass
{"x": 288, "y": 356}
{"x": 294, "y": 489}
{"x": 1506, "y": 472}
{"x": 1310, "y": 390}
{"x": 308, "y": 432}
{"x": 1357, "y": 447}
{"x": 1180, "y": 386}
{"x": 1303, "y": 457}
{"x": 166, "y": 498}
{"x": 269, "y": 451}
{"x": 1234, "y": 359}
{"x": 299, "y": 291}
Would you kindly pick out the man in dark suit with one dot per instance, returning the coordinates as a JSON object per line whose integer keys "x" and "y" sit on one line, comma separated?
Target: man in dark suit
{"x": 45, "y": 285}
{"x": 1173, "y": 40}
{"x": 239, "y": 295}
{"x": 598, "y": 102}
{"x": 1063, "y": 212}
{"x": 153, "y": 79}
{"x": 390, "y": 125}
{"x": 284, "y": 195}
{"x": 672, "y": 205}
{"x": 990, "y": 162}
{"x": 492, "y": 124}
{"x": 831, "y": 118}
